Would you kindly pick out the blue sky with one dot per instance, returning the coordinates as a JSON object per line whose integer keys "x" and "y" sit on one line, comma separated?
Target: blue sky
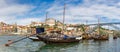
{"x": 24, "y": 12}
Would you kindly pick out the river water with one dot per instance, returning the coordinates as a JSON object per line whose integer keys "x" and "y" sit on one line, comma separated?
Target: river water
{"x": 28, "y": 45}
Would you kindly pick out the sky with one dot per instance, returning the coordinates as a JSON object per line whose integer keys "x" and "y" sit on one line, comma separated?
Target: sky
{"x": 23, "y": 12}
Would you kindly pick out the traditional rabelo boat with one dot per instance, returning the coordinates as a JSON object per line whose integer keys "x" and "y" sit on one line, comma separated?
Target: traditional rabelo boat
{"x": 87, "y": 36}
{"x": 100, "y": 36}
{"x": 59, "y": 37}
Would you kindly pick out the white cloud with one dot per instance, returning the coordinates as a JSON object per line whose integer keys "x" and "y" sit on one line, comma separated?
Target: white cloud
{"x": 22, "y": 21}
{"x": 2, "y": 3}
{"x": 9, "y": 12}
{"x": 16, "y": 9}
{"x": 89, "y": 10}
{"x": 79, "y": 13}
{"x": 26, "y": 21}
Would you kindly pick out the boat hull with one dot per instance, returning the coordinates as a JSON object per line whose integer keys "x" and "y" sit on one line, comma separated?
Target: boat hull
{"x": 58, "y": 40}
{"x": 101, "y": 38}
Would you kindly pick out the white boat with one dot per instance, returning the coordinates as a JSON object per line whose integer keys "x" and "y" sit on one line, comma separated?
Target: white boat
{"x": 34, "y": 38}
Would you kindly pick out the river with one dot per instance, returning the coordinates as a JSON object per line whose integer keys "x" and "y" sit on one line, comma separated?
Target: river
{"x": 28, "y": 45}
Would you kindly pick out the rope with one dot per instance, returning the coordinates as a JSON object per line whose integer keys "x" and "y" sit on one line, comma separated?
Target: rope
{"x": 11, "y": 42}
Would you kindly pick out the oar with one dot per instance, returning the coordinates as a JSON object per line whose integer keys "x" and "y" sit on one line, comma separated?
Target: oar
{"x": 11, "y": 42}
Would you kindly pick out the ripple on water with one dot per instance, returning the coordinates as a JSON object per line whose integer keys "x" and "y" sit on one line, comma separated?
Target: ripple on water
{"x": 25, "y": 45}
{"x": 28, "y": 45}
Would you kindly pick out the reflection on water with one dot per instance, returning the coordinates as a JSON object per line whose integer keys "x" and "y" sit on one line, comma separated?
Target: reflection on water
{"x": 58, "y": 48}
{"x": 28, "y": 45}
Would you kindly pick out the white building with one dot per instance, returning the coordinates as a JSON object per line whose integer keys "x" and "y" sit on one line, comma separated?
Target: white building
{"x": 50, "y": 21}
{"x": 36, "y": 23}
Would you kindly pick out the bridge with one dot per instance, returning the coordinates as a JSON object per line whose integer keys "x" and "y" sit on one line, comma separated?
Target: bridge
{"x": 105, "y": 23}
{"x": 113, "y": 25}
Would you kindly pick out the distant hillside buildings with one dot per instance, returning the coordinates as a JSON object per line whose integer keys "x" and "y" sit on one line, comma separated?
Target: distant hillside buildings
{"x": 14, "y": 28}
{"x": 50, "y": 24}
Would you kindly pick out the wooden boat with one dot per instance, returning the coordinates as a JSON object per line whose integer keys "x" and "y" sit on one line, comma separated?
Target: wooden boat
{"x": 101, "y": 37}
{"x": 114, "y": 36}
{"x": 59, "y": 37}
{"x": 65, "y": 39}
{"x": 87, "y": 36}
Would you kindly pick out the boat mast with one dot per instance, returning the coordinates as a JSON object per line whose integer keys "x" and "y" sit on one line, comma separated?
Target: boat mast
{"x": 46, "y": 17}
{"x": 86, "y": 22}
{"x": 98, "y": 26}
{"x": 15, "y": 27}
{"x": 64, "y": 17}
